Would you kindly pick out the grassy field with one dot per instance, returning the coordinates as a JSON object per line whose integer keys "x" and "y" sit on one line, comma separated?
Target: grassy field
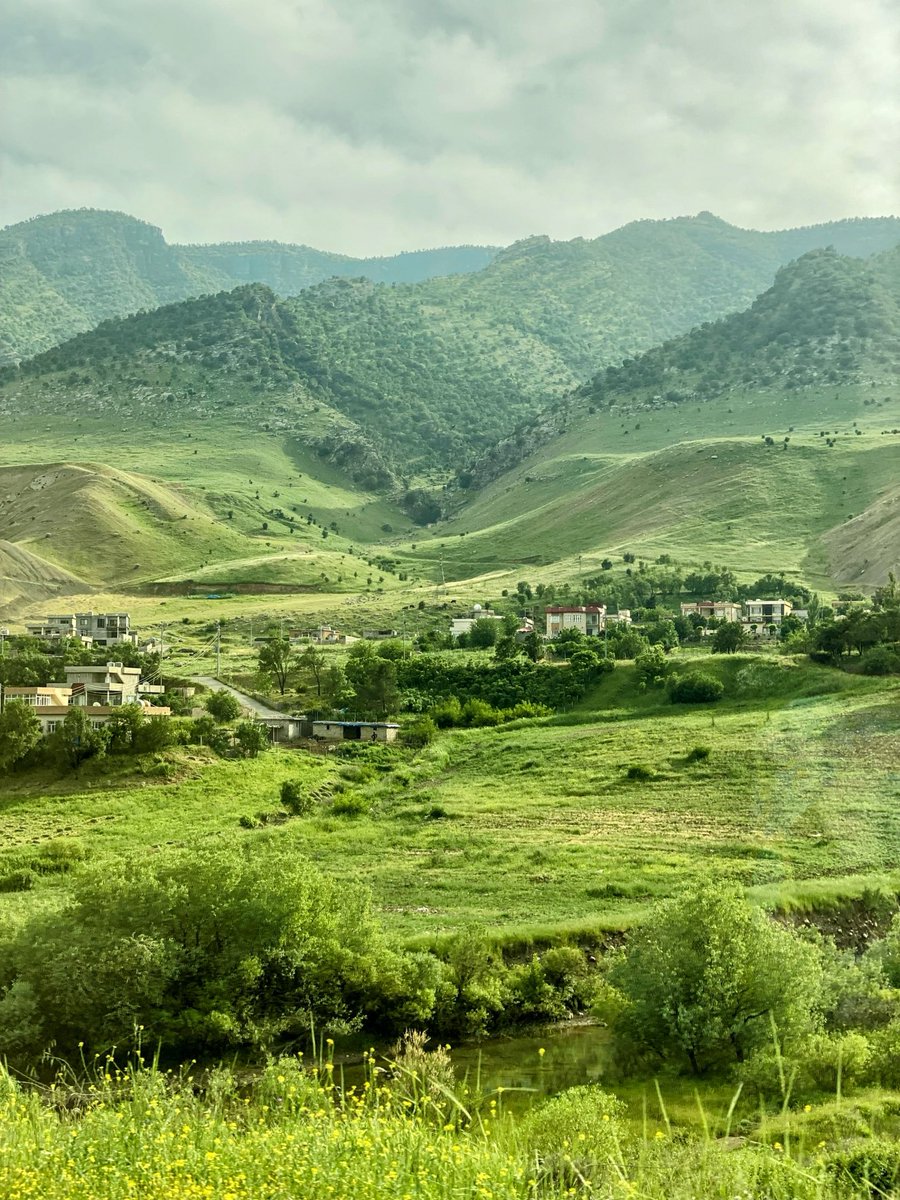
{"x": 695, "y": 482}
{"x": 536, "y": 829}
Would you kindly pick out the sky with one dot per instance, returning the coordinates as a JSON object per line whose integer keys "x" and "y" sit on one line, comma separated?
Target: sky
{"x": 371, "y": 126}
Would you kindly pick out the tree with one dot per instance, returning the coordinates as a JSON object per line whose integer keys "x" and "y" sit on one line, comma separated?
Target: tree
{"x": 223, "y": 706}
{"x": 124, "y": 726}
{"x": 75, "y": 739}
{"x": 533, "y": 646}
{"x": 252, "y": 738}
{"x": 373, "y": 680}
{"x": 483, "y": 633}
{"x": 210, "y": 950}
{"x": 313, "y": 663}
{"x": 276, "y": 662}
{"x": 705, "y": 978}
{"x": 20, "y": 732}
{"x": 729, "y": 637}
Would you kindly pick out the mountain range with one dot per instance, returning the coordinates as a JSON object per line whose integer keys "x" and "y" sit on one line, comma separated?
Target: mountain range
{"x": 62, "y": 274}
{"x": 511, "y": 405}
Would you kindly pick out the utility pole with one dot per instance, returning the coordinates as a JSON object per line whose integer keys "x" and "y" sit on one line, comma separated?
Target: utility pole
{"x": 218, "y": 648}
{"x": 162, "y": 648}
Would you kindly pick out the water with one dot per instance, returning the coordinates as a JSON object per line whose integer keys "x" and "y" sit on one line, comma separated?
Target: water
{"x": 573, "y": 1054}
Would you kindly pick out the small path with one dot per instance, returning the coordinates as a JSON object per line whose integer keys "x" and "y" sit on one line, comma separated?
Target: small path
{"x": 245, "y": 701}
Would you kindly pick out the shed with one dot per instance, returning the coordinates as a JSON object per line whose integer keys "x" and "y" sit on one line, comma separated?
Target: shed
{"x": 355, "y": 731}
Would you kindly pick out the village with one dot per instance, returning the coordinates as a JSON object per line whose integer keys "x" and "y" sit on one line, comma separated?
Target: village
{"x": 102, "y": 688}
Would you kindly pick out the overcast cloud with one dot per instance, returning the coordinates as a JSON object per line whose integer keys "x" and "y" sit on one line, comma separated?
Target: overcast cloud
{"x": 369, "y": 126}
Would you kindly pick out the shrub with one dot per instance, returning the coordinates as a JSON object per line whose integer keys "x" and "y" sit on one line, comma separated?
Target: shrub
{"x": 698, "y": 754}
{"x": 154, "y": 734}
{"x": 247, "y": 822}
{"x": 351, "y": 804}
{"x": 252, "y": 738}
{"x": 448, "y": 713}
{"x": 638, "y": 773}
{"x": 479, "y": 713}
{"x": 223, "y": 707}
{"x": 695, "y": 687}
{"x": 577, "y": 1135}
{"x": 652, "y": 667}
{"x": 18, "y": 881}
{"x": 205, "y": 950}
{"x": 871, "y": 1168}
{"x": 58, "y": 856}
{"x": 880, "y": 660}
{"x": 297, "y": 802}
{"x": 437, "y": 812}
{"x": 420, "y": 733}
{"x": 705, "y": 975}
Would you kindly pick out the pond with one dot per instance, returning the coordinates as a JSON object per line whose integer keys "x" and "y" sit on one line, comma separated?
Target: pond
{"x": 574, "y": 1053}
{"x": 530, "y": 1065}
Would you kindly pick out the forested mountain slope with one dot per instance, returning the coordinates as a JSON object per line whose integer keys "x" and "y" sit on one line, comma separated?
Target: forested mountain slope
{"x": 827, "y": 320}
{"x": 63, "y": 273}
{"x": 768, "y": 439}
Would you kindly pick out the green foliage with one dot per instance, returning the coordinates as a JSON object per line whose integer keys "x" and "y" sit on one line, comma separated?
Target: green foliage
{"x": 252, "y": 738}
{"x": 204, "y": 951}
{"x": 729, "y": 637}
{"x": 276, "y": 662}
{"x": 695, "y": 687}
{"x": 708, "y": 976}
{"x": 75, "y": 739}
{"x": 70, "y": 270}
{"x": 652, "y": 667}
{"x": 420, "y": 733}
{"x": 373, "y": 680}
{"x": 20, "y": 732}
{"x": 577, "y": 1135}
{"x": 296, "y": 798}
{"x": 222, "y": 706}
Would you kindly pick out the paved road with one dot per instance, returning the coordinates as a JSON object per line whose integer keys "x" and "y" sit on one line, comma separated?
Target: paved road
{"x": 260, "y": 710}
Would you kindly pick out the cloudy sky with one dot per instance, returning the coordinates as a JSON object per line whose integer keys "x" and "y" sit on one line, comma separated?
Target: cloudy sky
{"x": 369, "y": 126}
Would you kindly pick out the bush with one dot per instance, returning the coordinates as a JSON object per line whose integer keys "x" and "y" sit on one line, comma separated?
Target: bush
{"x": 206, "y": 951}
{"x": 479, "y": 713}
{"x": 448, "y": 713}
{"x": 577, "y": 1135}
{"x": 873, "y": 1168}
{"x": 652, "y": 667}
{"x": 223, "y": 707}
{"x": 703, "y": 977}
{"x": 351, "y": 804}
{"x": 252, "y": 738}
{"x": 880, "y": 660}
{"x": 420, "y": 733}
{"x": 297, "y": 802}
{"x": 638, "y": 773}
{"x": 698, "y": 754}
{"x": 154, "y": 734}
{"x": 18, "y": 881}
{"x": 696, "y": 687}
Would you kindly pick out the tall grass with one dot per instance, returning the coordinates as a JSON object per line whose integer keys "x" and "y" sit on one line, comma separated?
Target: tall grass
{"x": 406, "y": 1133}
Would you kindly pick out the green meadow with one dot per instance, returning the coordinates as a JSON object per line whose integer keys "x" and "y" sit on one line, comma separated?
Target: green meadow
{"x": 535, "y": 829}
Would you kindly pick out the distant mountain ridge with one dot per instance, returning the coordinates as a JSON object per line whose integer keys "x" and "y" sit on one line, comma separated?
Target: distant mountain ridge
{"x": 828, "y": 319}
{"x": 61, "y": 274}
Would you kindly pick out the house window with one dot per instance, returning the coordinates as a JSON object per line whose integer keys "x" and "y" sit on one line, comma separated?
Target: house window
{"x": 52, "y": 726}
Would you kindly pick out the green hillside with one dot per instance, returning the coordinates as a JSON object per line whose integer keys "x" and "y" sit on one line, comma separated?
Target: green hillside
{"x": 63, "y": 273}
{"x": 768, "y": 439}
{"x": 418, "y": 378}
